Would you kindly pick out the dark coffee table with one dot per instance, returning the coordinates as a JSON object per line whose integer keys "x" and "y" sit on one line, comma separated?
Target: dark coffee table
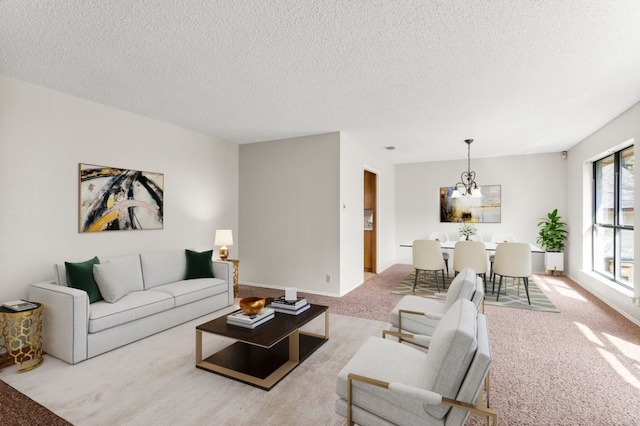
{"x": 265, "y": 355}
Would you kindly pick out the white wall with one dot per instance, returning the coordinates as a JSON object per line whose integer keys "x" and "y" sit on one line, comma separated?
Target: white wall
{"x": 44, "y": 134}
{"x": 301, "y": 204}
{"x": 532, "y": 186}
{"x": 354, "y": 159}
{"x": 622, "y": 131}
{"x": 290, "y": 213}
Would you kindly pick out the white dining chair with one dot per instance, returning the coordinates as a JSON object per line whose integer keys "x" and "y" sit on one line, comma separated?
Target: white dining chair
{"x": 427, "y": 256}
{"x": 499, "y": 238}
{"x": 442, "y": 237}
{"x": 512, "y": 260}
{"x": 471, "y": 254}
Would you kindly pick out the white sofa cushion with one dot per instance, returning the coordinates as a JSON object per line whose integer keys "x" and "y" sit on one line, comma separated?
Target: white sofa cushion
{"x": 135, "y": 305}
{"x": 128, "y": 266}
{"x": 130, "y": 270}
{"x": 112, "y": 286}
{"x": 163, "y": 267}
{"x": 188, "y": 291}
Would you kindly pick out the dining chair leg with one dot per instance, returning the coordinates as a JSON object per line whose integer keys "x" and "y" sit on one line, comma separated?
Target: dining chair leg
{"x": 493, "y": 287}
{"x": 437, "y": 284}
{"x": 499, "y": 285}
{"x": 446, "y": 266}
{"x": 526, "y": 288}
{"x": 415, "y": 281}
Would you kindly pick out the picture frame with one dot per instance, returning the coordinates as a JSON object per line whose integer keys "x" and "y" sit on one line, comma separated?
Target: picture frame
{"x": 485, "y": 209}
{"x": 118, "y": 199}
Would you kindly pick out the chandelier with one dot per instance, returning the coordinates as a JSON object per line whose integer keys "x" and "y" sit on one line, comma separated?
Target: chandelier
{"x": 467, "y": 187}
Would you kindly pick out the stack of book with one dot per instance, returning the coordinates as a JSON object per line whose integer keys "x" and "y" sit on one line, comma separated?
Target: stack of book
{"x": 291, "y": 307}
{"x": 19, "y": 305}
{"x": 241, "y": 319}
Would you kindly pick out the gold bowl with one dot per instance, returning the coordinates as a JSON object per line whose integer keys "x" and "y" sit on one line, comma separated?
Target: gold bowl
{"x": 252, "y": 305}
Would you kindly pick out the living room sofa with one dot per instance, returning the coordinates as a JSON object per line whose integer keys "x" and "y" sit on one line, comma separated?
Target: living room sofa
{"x": 158, "y": 296}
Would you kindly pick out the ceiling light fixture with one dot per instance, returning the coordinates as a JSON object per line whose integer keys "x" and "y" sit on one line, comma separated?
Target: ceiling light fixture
{"x": 467, "y": 187}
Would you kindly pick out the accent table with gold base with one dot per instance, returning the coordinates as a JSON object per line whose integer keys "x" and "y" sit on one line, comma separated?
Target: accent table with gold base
{"x": 236, "y": 289}
{"x": 21, "y": 338}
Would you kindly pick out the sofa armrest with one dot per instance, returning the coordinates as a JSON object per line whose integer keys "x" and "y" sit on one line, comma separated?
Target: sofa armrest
{"x": 224, "y": 270}
{"x": 65, "y": 320}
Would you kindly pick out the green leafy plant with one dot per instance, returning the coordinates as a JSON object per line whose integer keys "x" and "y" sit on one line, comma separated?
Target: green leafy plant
{"x": 552, "y": 233}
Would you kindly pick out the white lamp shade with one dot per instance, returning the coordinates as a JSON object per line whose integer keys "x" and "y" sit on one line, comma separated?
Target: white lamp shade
{"x": 223, "y": 237}
{"x": 476, "y": 193}
{"x": 455, "y": 194}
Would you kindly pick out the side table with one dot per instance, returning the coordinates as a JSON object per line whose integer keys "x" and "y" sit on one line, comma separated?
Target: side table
{"x": 21, "y": 338}
{"x": 236, "y": 289}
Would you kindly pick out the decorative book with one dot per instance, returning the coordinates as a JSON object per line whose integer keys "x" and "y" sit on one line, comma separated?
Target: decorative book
{"x": 242, "y": 317}
{"x": 281, "y": 302}
{"x": 254, "y": 324}
{"x": 19, "y": 305}
{"x": 290, "y": 311}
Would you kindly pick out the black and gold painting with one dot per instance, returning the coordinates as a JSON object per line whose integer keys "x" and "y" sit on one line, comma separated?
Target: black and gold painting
{"x": 116, "y": 199}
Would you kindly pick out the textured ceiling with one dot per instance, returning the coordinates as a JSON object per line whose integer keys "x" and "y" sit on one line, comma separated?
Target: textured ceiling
{"x": 518, "y": 76}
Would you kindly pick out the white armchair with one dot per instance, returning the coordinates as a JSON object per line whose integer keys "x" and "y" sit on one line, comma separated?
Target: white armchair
{"x": 386, "y": 382}
{"x": 420, "y": 315}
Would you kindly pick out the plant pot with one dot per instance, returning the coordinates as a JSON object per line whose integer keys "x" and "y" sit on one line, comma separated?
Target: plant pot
{"x": 554, "y": 262}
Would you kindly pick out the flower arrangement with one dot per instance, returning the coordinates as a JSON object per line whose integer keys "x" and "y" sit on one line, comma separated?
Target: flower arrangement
{"x": 467, "y": 229}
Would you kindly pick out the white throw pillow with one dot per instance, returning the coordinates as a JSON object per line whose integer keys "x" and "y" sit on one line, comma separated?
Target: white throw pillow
{"x": 111, "y": 285}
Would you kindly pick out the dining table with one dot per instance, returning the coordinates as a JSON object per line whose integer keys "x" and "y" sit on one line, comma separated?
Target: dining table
{"x": 489, "y": 246}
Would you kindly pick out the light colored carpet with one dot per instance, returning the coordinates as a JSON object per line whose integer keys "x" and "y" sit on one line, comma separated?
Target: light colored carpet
{"x": 514, "y": 297}
{"x": 154, "y": 381}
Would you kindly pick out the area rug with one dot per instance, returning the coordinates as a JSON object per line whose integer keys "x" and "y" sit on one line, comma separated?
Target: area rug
{"x": 18, "y": 409}
{"x": 427, "y": 287}
{"x": 154, "y": 381}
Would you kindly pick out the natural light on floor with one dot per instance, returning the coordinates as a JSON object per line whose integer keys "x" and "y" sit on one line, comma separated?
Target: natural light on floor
{"x": 551, "y": 284}
{"x": 589, "y": 334}
{"x": 619, "y": 368}
{"x": 630, "y": 350}
{"x": 622, "y": 348}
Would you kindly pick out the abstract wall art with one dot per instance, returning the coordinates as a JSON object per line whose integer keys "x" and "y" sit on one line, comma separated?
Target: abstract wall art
{"x": 115, "y": 199}
{"x": 485, "y": 209}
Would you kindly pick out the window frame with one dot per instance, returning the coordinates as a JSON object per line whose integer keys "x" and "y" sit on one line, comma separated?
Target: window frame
{"x": 616, "y": 227}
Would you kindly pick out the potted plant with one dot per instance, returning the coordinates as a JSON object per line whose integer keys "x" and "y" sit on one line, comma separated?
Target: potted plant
{"x": 467, "y": 230}
{"x": 552, "y": 236}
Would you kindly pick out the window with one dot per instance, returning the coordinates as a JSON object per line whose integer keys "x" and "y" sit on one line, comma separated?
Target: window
{"x": 613, "y": 217}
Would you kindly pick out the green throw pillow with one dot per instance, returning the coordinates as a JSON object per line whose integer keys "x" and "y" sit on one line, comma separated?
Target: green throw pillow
{"x": 80, "y": 276}
{"x": 199, "y": 264}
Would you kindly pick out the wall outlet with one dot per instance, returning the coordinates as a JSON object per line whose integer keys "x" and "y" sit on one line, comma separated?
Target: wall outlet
{"x": 327, "y": 278}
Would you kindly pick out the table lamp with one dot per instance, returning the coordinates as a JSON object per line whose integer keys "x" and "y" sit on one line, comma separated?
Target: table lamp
{"x": 223, "y": 239}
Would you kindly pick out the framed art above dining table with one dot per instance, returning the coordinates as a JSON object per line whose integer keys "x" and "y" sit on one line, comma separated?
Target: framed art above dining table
{"x": 484, "y": 209}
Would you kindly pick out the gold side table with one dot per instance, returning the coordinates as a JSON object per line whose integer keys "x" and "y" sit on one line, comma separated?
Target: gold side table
{"x": 21, "y": 338}
{"x": 236, "y": 289}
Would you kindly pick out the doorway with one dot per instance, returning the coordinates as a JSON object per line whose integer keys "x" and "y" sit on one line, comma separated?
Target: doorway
{"x": 370, "y": 220}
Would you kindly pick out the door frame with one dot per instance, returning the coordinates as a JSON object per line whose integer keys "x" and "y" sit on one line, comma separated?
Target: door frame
{"x": 374, "y": 231}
